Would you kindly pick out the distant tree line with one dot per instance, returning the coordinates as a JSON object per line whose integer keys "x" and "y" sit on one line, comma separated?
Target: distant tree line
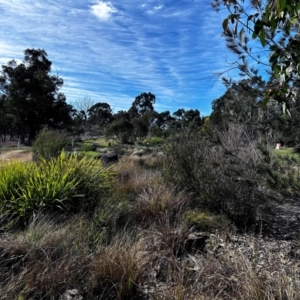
{"x": 30, "y": 100}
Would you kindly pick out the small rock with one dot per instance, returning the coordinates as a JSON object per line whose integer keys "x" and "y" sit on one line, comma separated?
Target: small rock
{"x": 73, "y": 294}
{"x": 196, "y": 242}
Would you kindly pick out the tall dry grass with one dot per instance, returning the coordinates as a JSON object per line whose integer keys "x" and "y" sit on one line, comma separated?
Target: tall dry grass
{"x": 134, "y": 174}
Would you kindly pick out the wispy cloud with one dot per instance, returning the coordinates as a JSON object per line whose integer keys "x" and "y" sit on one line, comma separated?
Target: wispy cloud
{"x": 172, "y": 52}
{"x": 158, "y": 7}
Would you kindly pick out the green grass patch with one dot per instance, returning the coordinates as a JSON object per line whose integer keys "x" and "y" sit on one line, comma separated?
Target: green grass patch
{"x": 284, "y": 151}
{"x": 203, "y": 221}
{"x": 153, "y": 141}
{"x": 90, "y": 154}
{"x": 99, "y": 143}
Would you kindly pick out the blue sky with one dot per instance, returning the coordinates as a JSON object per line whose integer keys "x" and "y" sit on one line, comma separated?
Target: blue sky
{"x": 112, "y": 51}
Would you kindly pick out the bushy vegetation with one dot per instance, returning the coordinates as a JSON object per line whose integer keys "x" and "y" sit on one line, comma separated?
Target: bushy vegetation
{"x": 64, "y": 184}
{"x": 49, "y": 144}
{"x": 172, "y": 219}
{"x": 226, "y": 171}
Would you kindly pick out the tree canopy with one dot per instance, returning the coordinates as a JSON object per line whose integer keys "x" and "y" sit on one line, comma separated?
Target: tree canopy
{"x": 100, "y": 114}
{"x": 275, "y": 25}
{"x": 30, "y": 93}
{"x": 142, "y": 103}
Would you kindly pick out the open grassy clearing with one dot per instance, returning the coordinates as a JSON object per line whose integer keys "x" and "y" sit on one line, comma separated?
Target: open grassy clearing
{"x": 100, "y": 142}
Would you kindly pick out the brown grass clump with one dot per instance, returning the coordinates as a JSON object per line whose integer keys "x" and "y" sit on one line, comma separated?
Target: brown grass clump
{"x": 114, "y": 271}
{"x": 43, "y": 260}
{"x": 132, "y": 176}
{"x": 51, "y": 257}
{"x": 159, "y": 204}
{"x": 250, "y": 269}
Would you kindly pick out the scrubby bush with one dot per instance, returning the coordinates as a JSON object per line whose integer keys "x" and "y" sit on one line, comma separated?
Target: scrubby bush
{"x": 64, "y": 184}
{"x": 227, "y": 172}
{"x": 49, "y": 144}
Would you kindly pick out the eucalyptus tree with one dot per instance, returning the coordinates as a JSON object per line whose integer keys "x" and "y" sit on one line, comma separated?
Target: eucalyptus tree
{"x": 31, "y": 94}
{"x": 142, "y": 104}
{"x": 240, "y": 103}
{"x": 274, "y": 24}
{"x": 186, "y": 119}
{"x": 100, "y": 114}
{"x": 142, "y": 114}
{"x": 121, "y": 128}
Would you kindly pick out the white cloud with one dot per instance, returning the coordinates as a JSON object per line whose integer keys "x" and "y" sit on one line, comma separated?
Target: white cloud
{"x": 103, "y": 10}
{"x": 158, "y": 7}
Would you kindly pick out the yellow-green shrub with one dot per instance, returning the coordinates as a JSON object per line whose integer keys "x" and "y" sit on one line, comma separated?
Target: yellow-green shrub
{"x": 65, "y": 184}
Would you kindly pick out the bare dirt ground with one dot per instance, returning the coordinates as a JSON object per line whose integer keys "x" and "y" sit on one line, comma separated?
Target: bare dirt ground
{"x": 20, "y": 155}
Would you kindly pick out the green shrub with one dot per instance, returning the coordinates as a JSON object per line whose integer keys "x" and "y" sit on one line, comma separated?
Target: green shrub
{"x": 64, "y": 184}
{"x": 49, "y": 144}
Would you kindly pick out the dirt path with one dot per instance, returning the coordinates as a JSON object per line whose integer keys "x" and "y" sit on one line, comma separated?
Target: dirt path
{"x": 21, "y": 155}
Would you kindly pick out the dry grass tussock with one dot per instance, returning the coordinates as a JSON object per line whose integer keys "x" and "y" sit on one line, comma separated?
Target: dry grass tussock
{"x": 133, "y": 176}
{"x": 144, "y": 264}
{"x": 106, "y": 257}
{"x": 159, "y": 205}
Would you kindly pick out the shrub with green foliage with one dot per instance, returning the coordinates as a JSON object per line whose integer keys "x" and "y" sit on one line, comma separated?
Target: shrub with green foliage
{"x": 226, "y": 171}
{"x": 49, "y": 144}
{"x": 63, "y": 184}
